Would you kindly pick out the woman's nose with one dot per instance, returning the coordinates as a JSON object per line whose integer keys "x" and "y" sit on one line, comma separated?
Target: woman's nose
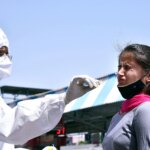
{"x": 120, "y": 71}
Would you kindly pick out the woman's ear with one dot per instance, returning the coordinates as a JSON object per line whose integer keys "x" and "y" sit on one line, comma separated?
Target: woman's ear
{"x": 147, "y": 77}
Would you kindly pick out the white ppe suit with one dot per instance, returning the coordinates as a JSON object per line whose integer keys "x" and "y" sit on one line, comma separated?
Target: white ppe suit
{"x": 32, "y": 118}
{"x": 19, "y": 124}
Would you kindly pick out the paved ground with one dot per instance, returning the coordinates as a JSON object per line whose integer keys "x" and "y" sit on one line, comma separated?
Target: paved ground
{"x": 82, "y": 147}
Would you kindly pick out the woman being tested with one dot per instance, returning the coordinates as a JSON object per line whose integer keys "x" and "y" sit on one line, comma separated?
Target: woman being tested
{"x": 32, "y": 118}
{"x": 130, "y": 127}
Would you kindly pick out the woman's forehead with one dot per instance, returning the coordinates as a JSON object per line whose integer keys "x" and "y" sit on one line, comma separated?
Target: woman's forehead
{"x": 127, "y": 56}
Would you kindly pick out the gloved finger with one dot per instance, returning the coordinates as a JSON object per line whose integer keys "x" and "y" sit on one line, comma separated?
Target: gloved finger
{"x": 92, "y": 83}
{"x": 88, "y": 82}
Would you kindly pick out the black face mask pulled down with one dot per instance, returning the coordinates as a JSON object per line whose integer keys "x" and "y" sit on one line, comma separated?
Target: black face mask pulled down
{"x": 132, "y": 89}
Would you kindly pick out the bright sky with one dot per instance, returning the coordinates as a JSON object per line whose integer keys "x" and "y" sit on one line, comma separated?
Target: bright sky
{"x": 53, "y": 40}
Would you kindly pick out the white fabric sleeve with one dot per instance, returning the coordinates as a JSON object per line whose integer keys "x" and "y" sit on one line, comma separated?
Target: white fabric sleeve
{"x": 141, "y": 125}
{"x": 30, "y": 118}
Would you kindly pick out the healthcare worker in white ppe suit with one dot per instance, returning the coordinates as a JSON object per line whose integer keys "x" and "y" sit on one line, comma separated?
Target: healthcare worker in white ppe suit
{"x": 32, "y": 118}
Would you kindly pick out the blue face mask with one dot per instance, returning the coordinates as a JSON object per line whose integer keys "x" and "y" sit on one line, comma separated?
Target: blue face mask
{"x": 132, "y": 89}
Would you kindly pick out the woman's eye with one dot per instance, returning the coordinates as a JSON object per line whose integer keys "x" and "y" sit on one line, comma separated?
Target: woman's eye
{"x": 119, "y": 67}
{"x": 127, "y": 67}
